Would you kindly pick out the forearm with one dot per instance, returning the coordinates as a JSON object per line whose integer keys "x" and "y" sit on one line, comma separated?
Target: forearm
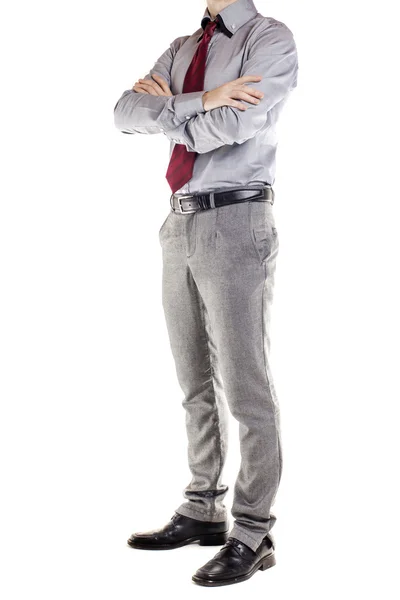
{"x": 229, "y": 125}
{"x": 273, "y": 56}
{"x": 137, "y": 112}
{"x": 217, "y": 127}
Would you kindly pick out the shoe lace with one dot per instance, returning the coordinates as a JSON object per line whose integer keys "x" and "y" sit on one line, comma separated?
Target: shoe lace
{"x": 231, "y": 541}
{"x": 174, "y": 517}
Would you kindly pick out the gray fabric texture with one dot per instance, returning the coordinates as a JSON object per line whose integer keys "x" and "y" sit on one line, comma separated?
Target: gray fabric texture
{"x": 217, "y": 291}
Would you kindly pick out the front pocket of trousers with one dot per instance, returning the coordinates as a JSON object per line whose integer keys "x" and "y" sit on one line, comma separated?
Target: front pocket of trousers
{"x": 264, "y": 242}
{"x": 263, "y": 233}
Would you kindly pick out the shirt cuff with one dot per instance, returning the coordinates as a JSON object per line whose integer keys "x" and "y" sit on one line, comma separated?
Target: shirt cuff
{"x": 189, "y": 105}
{"x": 180, "y": 108}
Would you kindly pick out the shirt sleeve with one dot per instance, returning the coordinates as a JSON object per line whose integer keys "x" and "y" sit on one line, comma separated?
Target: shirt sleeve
{"x": 273, "y": 56}
{"x": 139, "y": 113}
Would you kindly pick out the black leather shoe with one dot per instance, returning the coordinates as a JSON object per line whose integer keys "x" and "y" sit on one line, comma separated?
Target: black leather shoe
{"x": 235, "y": 562}
{"x": 179, "y": 531}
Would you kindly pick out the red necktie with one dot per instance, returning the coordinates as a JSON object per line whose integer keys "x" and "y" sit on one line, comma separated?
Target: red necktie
{"x": 180, "y": 168}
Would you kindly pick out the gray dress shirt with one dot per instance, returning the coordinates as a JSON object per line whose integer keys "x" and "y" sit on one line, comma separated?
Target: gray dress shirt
{"x": 235, "y": 147}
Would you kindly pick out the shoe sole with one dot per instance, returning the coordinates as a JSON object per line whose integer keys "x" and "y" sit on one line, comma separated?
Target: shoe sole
{"x": 263, "y": 564}
{"x": 206, "y": 539}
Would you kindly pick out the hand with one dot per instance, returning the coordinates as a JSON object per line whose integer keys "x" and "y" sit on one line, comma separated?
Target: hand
{"x": 158, "y": 87}
{"x": 224, "y": 95}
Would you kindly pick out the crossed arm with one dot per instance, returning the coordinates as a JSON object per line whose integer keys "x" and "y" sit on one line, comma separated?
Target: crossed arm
{"x": 273, "y": 55}
{"x": 140, "y": 113}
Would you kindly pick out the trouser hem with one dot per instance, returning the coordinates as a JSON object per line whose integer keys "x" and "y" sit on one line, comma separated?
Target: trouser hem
{"x": 242, "y": 534}
{"x": 200, "y": 515}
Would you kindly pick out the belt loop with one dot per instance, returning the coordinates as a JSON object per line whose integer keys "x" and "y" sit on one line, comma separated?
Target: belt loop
{"x": 212, "y": 201}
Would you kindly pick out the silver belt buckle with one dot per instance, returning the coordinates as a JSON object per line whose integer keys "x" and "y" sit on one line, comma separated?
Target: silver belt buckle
{"x": 180, "y": 205}
{"x": 271, "y": 201}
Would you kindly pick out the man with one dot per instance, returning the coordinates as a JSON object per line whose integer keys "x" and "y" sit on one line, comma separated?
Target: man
{"x": 219, "y": 244}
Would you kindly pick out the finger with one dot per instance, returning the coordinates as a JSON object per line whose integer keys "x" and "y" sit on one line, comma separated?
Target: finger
{"x": 154, "y": 85}
{"x": 244, "y": 96}
{"x": 237, "y": 104}
{"x": 161, "y": 81}
{"x": 253, "y": 91}
{"x": 149, "y": 87}
{"x": 137, "y": 84}
{"x": 138, "y": 88}
{"x": 248, "y": 78}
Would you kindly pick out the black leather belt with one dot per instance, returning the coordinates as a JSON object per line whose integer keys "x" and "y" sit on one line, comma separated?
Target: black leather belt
{"x": 192, "y": 202}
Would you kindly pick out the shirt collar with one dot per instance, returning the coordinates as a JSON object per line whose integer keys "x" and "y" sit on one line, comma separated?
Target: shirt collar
{"x": 232, "y": 17}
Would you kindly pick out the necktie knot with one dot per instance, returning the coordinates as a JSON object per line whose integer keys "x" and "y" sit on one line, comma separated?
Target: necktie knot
{"x": 210, "y": 28}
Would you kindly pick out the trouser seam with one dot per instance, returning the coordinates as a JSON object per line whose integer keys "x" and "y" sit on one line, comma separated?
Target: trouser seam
{"x": 271, "y": 400}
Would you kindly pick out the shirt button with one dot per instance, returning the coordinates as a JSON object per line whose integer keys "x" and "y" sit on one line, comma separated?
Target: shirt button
{"x": 187, "y": 117}
{"x": 233, "y": 25}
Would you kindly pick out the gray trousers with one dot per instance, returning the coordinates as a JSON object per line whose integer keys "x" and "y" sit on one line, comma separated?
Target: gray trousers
{"x": 217, "y": 290}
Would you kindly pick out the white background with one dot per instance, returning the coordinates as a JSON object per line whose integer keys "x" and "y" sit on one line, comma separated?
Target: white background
{"x": 93, "y": 444}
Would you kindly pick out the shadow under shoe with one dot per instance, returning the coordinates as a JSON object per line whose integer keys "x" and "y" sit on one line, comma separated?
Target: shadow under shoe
{"x": 179, "y": 531}
{"x": 235, "y": 562}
